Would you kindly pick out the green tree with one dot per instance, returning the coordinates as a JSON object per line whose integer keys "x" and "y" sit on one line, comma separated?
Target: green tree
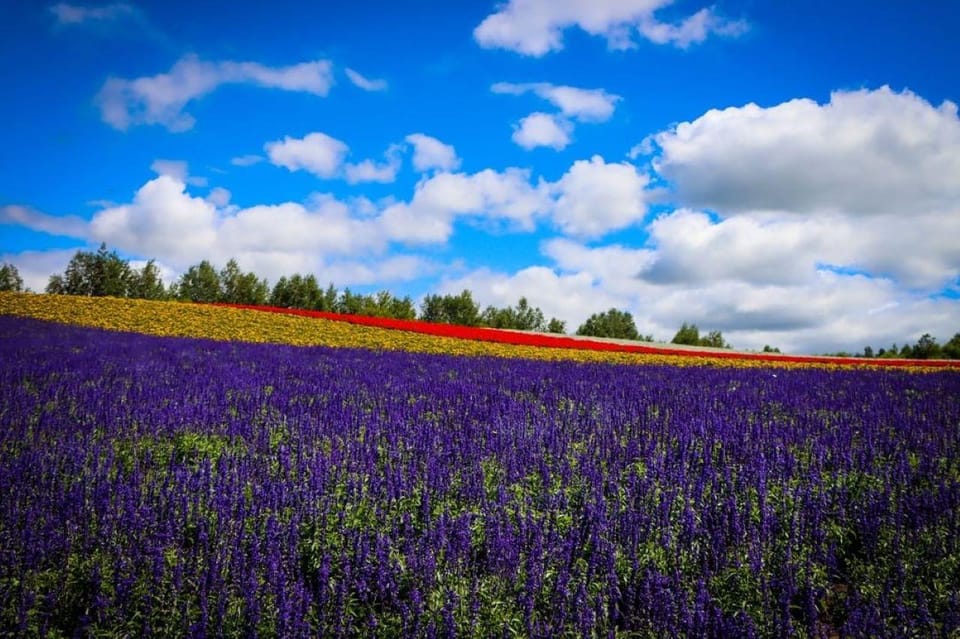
{"x": 556, "y": 326}
{"x": 10, "y": 279}
{"x": 688, "y": 335}
{"x": 613, "y": 323}
{"x": 926, "y": 348}
{"x": 521, "y": 317}
{"x": 99, "y": 274}
{"x": 770, "y": 349}
{"x": 297, "y": 292}
{"x": 349, "y": 303}
{"x": 451, "y": 309}
{"x": 201, "y": 283}
{"x": 714, "y": 339}
{"x": 951, "y": 350}
{"x": 238, "y": 287}
{"x": 146, "y": 283}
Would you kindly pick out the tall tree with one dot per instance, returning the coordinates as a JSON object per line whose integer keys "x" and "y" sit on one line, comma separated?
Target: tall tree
{"x": 688, "y": 335}
{"x": 146, "y": 283}
{"x": 951, "y": 349}
{"x": 99, "y": 274}
{"x": 926, "y": 348}
{"x": 10, "y": 279}
{"x": 556, "y": 326}
{"x": 520, "y": 317}
{"x": 451, "y": 309}
{"x": 237, "y": 287}
{"x": 613, "y": 323}
{"x": 201, "y": 283}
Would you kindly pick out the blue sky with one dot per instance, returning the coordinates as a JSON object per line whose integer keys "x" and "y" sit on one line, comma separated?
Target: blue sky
{"x": 788, "y": 173}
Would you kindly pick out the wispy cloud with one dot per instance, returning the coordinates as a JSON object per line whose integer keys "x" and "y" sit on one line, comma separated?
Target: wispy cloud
{"x": 161, "y": 99}
{"x": 365, "y": 83}
{"x": 66, "y": 14}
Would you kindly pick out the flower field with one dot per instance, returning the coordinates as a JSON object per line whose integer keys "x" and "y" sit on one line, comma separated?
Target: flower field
{"x": 156, "y": 483}
{"x": 314, "y": 328}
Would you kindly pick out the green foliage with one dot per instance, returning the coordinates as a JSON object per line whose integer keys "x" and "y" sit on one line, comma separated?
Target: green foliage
{"x": 10, "y": 279}
{"x": 451, "y": 309}
{"x": 689, "y": 335}
{"x": 951, "y": 350}
{"x": 238, "y": 287}
{"x": 613, "y": 323}
{"x": 521, "y": 317}
{"x": 300, "y": 291}
{"x": 770, "y": 349}
{"x": 556, "y": 326}
{"x": 94, "y": 274}
{"x": 146, "y": 283}
{"x": 201, "y": 283}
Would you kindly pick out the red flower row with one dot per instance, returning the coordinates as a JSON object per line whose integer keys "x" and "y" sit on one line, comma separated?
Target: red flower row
{"x": 561, "y": 341}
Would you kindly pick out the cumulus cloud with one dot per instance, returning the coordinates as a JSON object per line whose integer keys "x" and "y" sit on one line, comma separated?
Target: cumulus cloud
{"x": 571, "y": 297}
{"x": 863, "y": 153}
{"x": 535, "y": 27}
{"x": 316, "y": 153}
{"x": 554, "y": 130}
{"x": 177, "y": 169}
{"x": 587, "y": 105}
{"x": 596, "y": 197}
{"x": 160, "y": 99}
{"x": 365, "y": 83}
{"x": 869, "y": 181}
{"x": 542, "y": 129}
{"x": 430, "y": 153}
{"x": 325, "y": 157}
{"x": 492, "y": 196}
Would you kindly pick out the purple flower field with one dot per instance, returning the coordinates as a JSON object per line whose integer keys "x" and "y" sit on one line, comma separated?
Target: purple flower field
{"x": 179, "y": 487}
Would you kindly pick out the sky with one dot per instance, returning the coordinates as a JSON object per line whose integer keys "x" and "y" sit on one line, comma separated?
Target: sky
{"x": 786, "y": 173}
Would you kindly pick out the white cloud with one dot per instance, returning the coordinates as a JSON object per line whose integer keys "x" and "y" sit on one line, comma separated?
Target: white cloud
{"x": 370, "y": 171}
{"x": 177, "y": 169}
{"x": 68, "y": 225}
{"x": 246, "y": 160}
{"x": 488, "y": 196}
{"x": 569, "y": 297}
{"x": 596, "y": 197}
{"x": 160, "y": 99}
{"x": 542, "y": 129}
{"x": 430, "y": 153}
{"x": 36, "y": 267}
{"x": 365, "y": 83}
{"x": 839, "y": 312}
{"x": 691, "y": 30}
{"x": 870, "y": 182}
{"x": 864, "y": 153}
{"x": 219, "y": 197}
{"x": 67, "y": 14}
{"x": 316, "y": 153}
{"x": 586, "y": 105}
{"x": 535, "y": 27}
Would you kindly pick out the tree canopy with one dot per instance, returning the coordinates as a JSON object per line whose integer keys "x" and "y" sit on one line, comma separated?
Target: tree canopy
{"x": 10, "y": 279}
{"x": 612, "y": 323}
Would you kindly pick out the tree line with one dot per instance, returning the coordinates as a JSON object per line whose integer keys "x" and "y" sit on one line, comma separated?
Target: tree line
{"x": 105, "y": 273}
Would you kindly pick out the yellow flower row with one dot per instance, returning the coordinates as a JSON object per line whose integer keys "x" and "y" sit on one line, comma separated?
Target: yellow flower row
{"x": 231, "y": 324}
